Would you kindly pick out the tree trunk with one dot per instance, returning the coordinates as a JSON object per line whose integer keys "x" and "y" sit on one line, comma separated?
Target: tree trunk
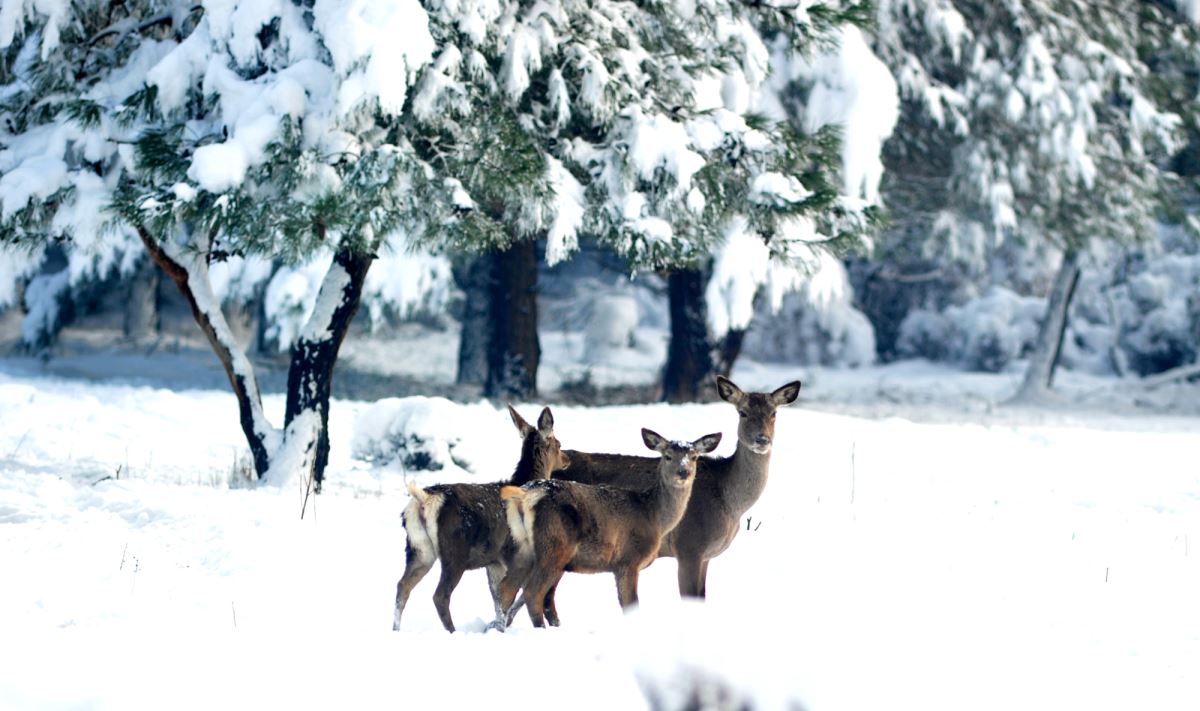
{"x": 141, "y": 317}
{"x": 198, "y": 292}
{"x": 474, "y": 277}
{"x": 689, "y": 354}
{"x": 729, "y": 349}
{"x": 314, "y": 354}
{"x": 513, "y": 347}
{"x": 1044, "y": 359}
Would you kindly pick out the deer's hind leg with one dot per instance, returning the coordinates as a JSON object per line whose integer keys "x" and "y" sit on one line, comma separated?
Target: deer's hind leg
{"x": 537, "y": 591}
{"x": 548, "y": 604}
{"x": 415, "y": 568}
{"x": 546, "y": 573}
{"x": 504, "y": 587}
{"x": 451, "y": 575}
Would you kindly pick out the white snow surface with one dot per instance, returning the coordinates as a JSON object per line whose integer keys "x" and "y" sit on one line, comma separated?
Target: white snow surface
{"x": 946, "y": 558}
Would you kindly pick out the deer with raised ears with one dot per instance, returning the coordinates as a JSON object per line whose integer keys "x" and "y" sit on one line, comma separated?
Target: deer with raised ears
{"x": 465, "y": 526}
{"x": 585, "y": 528}
{"x": 725, "y": 488}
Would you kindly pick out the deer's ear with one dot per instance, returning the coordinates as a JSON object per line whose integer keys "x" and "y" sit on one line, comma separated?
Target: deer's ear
{"x": 728, "y": 391}
{"x": 786, "y": 395}
{"x": 707, "y": 443}
{"x": 522, "y": 426}
{"x": 653, "y": 440}
{"x": 545, "y": 421}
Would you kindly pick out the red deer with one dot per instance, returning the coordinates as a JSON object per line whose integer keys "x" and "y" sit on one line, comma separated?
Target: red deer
{"x": 464, "y": 525}
{"x": 725, "y": 488}
{"x": 598, "y": 528}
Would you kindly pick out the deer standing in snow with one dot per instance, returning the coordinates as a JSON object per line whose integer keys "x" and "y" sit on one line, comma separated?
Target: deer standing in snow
{"x": 592, "y": 529}
{"x": 725, "y": 488}
{"x": 465, "y": 527}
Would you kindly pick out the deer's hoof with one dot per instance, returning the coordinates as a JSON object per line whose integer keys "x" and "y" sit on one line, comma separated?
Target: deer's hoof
{"x": 497, "y": 625}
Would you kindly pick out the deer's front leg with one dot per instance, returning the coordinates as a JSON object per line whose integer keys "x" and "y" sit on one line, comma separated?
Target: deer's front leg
{"x": 691, "y": 581}
{"x": 627, "y": 581}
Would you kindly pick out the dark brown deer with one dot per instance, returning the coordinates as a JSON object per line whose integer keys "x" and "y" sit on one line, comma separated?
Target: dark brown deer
{"x": 725, "y": 488}
{"x": 465, "y": 527}
{"x": 598, "y": 528}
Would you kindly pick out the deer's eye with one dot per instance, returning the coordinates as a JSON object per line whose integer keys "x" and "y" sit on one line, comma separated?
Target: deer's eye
{"x": 743, "y": 413}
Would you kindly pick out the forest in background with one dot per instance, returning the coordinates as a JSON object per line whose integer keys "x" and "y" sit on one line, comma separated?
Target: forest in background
{"x": 834, "y": 183}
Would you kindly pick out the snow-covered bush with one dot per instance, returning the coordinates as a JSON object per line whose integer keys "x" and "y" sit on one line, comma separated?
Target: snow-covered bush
{"x": 890, "y": 285}
{"x": 1165, "y": 338}
{"x": 832, "y": 334}
{"x": 423, "y": 433}
{"x": 1157, "y": 311}
{"x": 924, "y": 334}
{"x": 983, "y": 334}
{"x": 610, "y": 327}
{"x": 1139, "y": 314}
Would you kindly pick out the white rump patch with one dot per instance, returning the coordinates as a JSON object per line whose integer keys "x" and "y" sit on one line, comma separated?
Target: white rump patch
{"x": 519, "y": 512}
{"x": 420, "y": 524}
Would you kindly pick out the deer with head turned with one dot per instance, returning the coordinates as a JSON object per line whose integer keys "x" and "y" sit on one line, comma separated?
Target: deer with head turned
{"x": 465, "y": 526}
{"x": 598, "y": 528}
{"x": 725, "y": 488}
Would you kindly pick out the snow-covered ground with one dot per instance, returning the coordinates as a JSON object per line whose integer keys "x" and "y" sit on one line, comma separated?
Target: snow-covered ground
{"x": 919, "y": 546}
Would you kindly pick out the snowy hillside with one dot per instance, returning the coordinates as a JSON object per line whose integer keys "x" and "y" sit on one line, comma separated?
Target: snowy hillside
{"x": 971, "y": 561}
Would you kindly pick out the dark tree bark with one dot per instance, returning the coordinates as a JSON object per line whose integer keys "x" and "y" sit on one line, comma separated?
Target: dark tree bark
{"x": 248, "y": 398}
{"x": 1044, "y": 359}
{"x": 313, "y": 356}
{"x": 310, "y": 374}
{"x": 474, "y": 276}
{"x": 689, "y": 355}
{"x": 141, "y": 317}
{"x": 728, "y": 350}
{"x": 513, "y": 347}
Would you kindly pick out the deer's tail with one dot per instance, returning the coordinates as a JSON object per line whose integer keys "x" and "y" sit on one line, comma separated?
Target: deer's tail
{"x": 519, "y": 509}
{"x": 421, "y": 522}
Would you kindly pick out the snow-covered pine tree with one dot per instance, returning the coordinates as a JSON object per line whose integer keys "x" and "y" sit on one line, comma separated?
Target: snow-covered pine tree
{"x": 58, "y": 65}
{"x": 637, "y": 123}
{"x": 237, "y": 132}
{"x": 838, "y": 86}
{"x": 777, "y": 211}
{"x": 1039, "y": 120}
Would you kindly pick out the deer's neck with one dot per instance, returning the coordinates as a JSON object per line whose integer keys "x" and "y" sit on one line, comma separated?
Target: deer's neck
{"x": 667, "y": 503}
{"x": 744, "y": 478}
{"x": 529, "y": 466}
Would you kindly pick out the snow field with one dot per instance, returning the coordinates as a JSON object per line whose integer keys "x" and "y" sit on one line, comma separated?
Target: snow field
{"x": 945, "y": 565}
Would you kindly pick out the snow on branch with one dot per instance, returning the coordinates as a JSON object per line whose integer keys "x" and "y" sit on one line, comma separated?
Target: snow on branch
{"x": 853, "y": 89}
{"x": 378, "y": 46}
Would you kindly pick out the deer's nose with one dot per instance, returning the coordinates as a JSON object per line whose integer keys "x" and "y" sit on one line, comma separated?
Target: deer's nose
{"x": 762, "y": 440}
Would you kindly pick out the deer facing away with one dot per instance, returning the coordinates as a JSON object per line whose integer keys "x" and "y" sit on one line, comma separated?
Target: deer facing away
{"x": 591, "y": 529}
{"x": 465, "y": 526}
{"x": 725, "y": 488}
